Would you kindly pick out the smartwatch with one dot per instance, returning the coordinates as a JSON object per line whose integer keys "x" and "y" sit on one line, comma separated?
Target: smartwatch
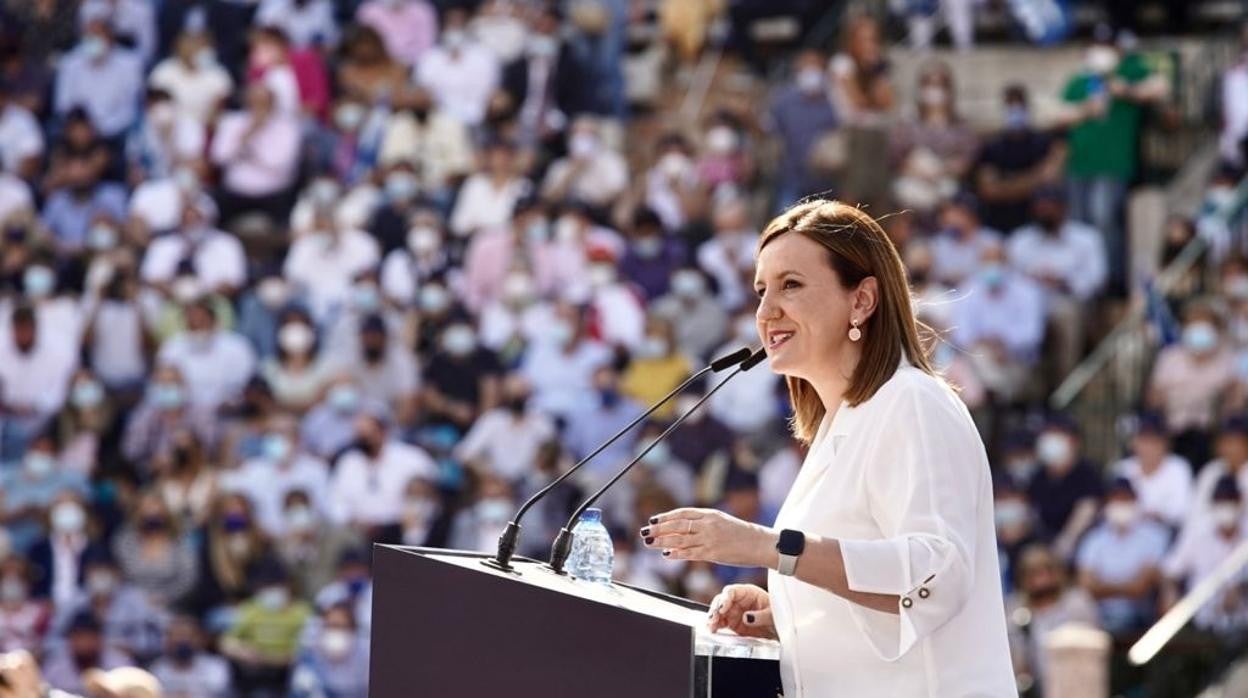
{"x": 790, "y": 546}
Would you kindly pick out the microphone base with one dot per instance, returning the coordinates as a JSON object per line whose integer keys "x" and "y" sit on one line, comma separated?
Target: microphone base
{"x": 496, "y": 565}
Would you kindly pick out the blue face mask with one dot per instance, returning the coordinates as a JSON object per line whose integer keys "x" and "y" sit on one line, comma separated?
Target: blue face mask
{"x": 1200, "y": 337}
{"x": 610, "y": 397}
{"x": 275, "y": 447}
{"x": 1016, "y": 117}
{"x": 166, "y": 396}
{"x": 993, "y": 275}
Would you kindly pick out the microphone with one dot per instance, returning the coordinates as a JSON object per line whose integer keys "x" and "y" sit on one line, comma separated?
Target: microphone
{"x": 562, "y": 546}
{"x": 511, "y": 535}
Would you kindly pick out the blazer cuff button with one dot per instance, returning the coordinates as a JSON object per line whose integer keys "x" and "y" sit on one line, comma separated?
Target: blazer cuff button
{"x": 924, "y": 593}
{"x": 906, "y": 602}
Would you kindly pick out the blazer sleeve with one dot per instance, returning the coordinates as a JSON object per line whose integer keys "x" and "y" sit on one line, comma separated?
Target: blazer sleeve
{"x": 924, "y": 489}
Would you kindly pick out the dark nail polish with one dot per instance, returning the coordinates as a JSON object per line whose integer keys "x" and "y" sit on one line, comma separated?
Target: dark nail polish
{"x": 649, "y": 540}
{"x": 749, "y": 618}
{"x": 645, "y": 531}
{"x": 666, "y": 553}
{"x": 654, "y": 519}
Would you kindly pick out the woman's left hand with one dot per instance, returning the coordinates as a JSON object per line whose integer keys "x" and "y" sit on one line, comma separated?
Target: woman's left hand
{"x": 711, "y": 535}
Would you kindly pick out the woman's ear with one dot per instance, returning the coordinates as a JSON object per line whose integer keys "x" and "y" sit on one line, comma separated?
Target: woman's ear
{"x": 865, "y": 298}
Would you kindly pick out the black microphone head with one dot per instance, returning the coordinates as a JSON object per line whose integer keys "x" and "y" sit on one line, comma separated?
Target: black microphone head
{"x": 730, "y": 360}
{"x": 754, "y": 360}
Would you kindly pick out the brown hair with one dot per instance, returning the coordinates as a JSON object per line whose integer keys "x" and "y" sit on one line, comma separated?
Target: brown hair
{"x": 857, "y": 248}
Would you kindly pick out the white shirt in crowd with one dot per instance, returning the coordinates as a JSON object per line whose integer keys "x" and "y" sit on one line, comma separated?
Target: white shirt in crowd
{"x": 563, "y": 382}
{"x": 748, "y": 402}
{"x": 1012, "y": 314}
{"x": 364, "y": 491}
{"x": 267, "y": 483}
{"x": 323, "y": 267}
{"x": 507, "y": 445}
{"x": 20, "y": 136}
{"x": 621, "y": 315}
{"x": 1166, "y": 493}
{"x": 14, "y": 196}
{"x": 117, "y": 343}
{"x": 499, "y": 323}
{"x": 197, "y": 92}
{"x": 461, "y": 82}
{"x": 1194, "y": 557}
{"x": 728, "y": 258}
{"x": 602, "y": 179}
{"x": 955, "y": 259}
{"x": 135, "y": 19}
{"x": 217, "y": 257}
{"x": 1076, "y": 255}
{"x": 439, "y": 148}
{"x": 110, "y": 88}
{"x": 303, "y": 23}
{"x": 1234, "y": 113}
{"x": 158, "y": 203}
{"x": 482, "y": 205}
{"x": 1202, "y": 494}
{"x": 37, "y": 380}
{"x": 902, "y": 481}
{"x": 215, "y": 368}
{"x": 266, "y": 163}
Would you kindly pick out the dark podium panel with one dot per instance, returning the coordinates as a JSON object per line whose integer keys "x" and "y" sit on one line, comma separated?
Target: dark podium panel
{"x": 444, "y": 624}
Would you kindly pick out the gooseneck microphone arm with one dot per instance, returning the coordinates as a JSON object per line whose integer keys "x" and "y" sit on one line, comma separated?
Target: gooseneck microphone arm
{"x": 511, "y": 535}
{"x": 562, "y": 546}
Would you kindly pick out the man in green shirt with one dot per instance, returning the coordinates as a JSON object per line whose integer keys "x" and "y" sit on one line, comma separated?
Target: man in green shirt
{"x": 1105, "y": 104}
{"x": 264, "y": 639}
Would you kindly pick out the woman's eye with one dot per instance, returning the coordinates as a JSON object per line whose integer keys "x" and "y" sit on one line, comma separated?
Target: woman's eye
{"x": 791, "y": 284}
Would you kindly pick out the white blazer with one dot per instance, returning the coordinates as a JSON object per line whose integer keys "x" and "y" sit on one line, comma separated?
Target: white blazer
{"x": 902, "y": 481}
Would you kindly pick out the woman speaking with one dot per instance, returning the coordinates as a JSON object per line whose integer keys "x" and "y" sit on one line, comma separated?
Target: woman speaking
{"x": 883, "y": 576}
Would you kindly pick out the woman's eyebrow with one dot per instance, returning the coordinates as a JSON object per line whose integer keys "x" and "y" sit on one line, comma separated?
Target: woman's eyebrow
{"x": 781, "y": 275}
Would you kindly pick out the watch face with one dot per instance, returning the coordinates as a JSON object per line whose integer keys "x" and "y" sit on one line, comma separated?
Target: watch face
{"x": 791, "y": 542}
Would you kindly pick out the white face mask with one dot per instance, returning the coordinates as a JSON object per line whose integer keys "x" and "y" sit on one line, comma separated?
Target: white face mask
{"x": 272, "y": 292}
{"x": 601, "y": 275}
{"x": 296, "y": 337}
{"x": 300, "y": 519}
{"x": 701, "y": 582}
{"x": 687, "y": 284}
{"x": 101, "y": 583}
{"x": 583, "y": 145}
{"x": 810, "y": 80}
{"x": 1009, "y": 514}
{"x": 721, "y": 140}
{"x": 1200, "y": 336}
{"x": 422, "y": 240}
{"x": 1225, "y": 515}
{"x": 13, "y": 590}
{"x": 1102, "y": 59}
{"x": 273, "y": 598}
{"x": 517, "y": 289}
{"x": 1053, "y": 448}
{"x": 68, "y": 517}
{"x": 933, "y": 96}
{"x": 336, "y": 642}
{"x": 1121, "y": 514}
{"x": 652, "y": 348}
{"x": 674, "y": 165}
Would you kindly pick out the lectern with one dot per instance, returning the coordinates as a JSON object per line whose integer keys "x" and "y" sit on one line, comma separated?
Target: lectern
{"x": 447, "y": 625}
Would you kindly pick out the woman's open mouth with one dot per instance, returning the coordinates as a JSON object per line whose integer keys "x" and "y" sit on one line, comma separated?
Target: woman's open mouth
{"x": 777, "y": 338}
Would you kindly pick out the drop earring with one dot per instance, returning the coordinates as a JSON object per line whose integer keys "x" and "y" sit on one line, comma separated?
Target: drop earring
{"x": 855, "y": 334}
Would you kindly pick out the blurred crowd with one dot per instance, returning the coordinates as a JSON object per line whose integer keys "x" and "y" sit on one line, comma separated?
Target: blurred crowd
{"x": 283, "y": 279}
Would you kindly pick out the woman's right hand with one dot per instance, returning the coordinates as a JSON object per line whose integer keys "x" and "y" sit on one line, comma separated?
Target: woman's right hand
{"x": 744, "y": 609}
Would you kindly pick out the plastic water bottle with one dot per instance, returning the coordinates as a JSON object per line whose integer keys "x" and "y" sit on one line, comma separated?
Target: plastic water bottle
{"x": 592, "y": 551}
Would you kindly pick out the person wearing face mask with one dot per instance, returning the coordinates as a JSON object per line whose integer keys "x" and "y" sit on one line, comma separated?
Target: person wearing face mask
{"x": 962, "y": 240}
{"x": 560, "y": 363}
{"x": 656, "y": 367}
{"x": 422, "y": 257}
{"x": 1044, "y": 601}
{"x": 297, "y": 374}
{"x": 1066, "y": 490}
{"x": 1231, "y": 459}
{"x": 506, "y": 440}
{"x": 79, "y": 193}
{"x": 232, "y": 553}
{"x": 408, "y": 28}
{"x": 1161, "y": 478}
{"x": 328, "y": 428}
{"x": 1190, "y": 380}
{"x": 1105, "y": 104}
{"x": 23, "y": 618}
{"x": 193, "y": 77}
{"x": 618, "y": 312}
{"x": 281, "y": 468}
{"x": 86, "y": 419}
{"x": 164, "y": 140}
{"x": 84, "y": 649}
{"x": 729, "y": 255}
{"x": 105, "y": 79}
{"x": 336, "y": 662}
{"x": 215, "y": 258}
{"x": 31, "y": 490}
{"x": 163, "y": 411}
{"x": 495, "y": 251}
{"x": 488, "y": 197}
{"x": 460, "y": 73}
{"x": 801, "y": 115}
{"x": 309, "y": 547}
{"x": 153, "y": 552}
{"x": 366, "y": 488}
{"x": 698, "y": 320}
{"x": 264, "y": 640}
{"x": 59, "y": 560}
{"x": 35, "y": 372}
{"x": 130, "y": 622}
{"x": 597, "y": 419}
{"x": 937, "y": 131}
{"x": 260, "y": 308}
{"x": 214, "y": 363}
{"x": 353, "y": 585}
{"x": 478, "y": 525}
{"x": 592, "y": 172}
{"x": 1119, "y": 561}
{"x": 383, "y": 369}
{"x": 324, "y": 263}
{"x": 187, "y": 669}
{"x": 258, "y": 151}
{"x": 1069, "y": 259}
{"x": 1016, "y": 527}
{"x": 725, "y": 157}
{"x": 999, "y": 324}
{"x": 652, "y": 256}
{"x": 431, "y": 140}
{"x": 306, "y": 22}
{"x": 402, "y": 196}
{"x": 1016, "y": 162}
{"x": 737, "y": 405}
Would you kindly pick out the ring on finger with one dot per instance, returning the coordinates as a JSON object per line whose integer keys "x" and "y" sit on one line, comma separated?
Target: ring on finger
{"x": 689, "y": 530}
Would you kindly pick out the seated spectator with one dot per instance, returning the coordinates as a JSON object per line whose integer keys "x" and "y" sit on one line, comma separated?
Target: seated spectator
{"x": 84, "y": 650}
{"x": 35, "y": 369}
{"x": 509, "y": 324}
{"x": 651, "y": 256}
{"x": 506, "y": 440}
{"x": 310, "y": 545}
{"x": 422, "y": 257}
{"x": 596, "y": 420}
{"x": 366, "y": 489}
{"x": 1067, "y": 258}
{"x": 188, "y": 669}
{"x": 165, "y": 410}
{"x": 1161, "y": 479}
{"x": 999, "y": 323}
{"x": 738, "y": 405}
{"x": 656, "y": 367}
{"x": 367, "y": 71}
{"x": 352, "y": 587}
{"x": 384, "y": 369}
{"x": 460, "y": 73}
{"x": 282, "y": 468}
{"x": 426, "y": 517}
{"x": 234, "y": 551}
{"x": 698, "y": 320}
{"x": 1190, "y": 380}
{"x": 58, "y": 561}
{"x": 103, "y": 78}
{"x": 186, "y": 479}
{"x": 83, "y": 424}
{"x": 1049, "y": 602}
{"x": 364, "y": 299}
{"x": 336, "y": 663}
{"x": 461, "y": 378}
{"x": 259, "y": 308}
{"x": 935, "y": 151}
{"x": 215, "y": 258}
{"x": 1119, "y": 562}
{"x": 409, "y": 28}
{"x": 488, "y": 197}
{"x": 21, "y": 139}
{"x": 270, "y": 65}
{"x": 494, "y": 252}
{"x": 802, "y": 114}
{"x": 215, "y": 363}
{"x": 130, "y": 621}
{"x": 1015, "y": 163}
{"x": 78, "y": 196}
{"x": 431, "y": 140}
{"x": 30, "y": 490}
{"x": 298, "y": 373}
{"x": 1066, "y": 491}
{"x": 725, "y": 164}
{"x": 728, "y": 257}
{"x": 1231, "y": 457}
{"x": 592, "y": 174}
{"x": 23, "y": 619}
{"x": 258, "y": 151}
{"x": 478, "y": 524}
{"x": 264, "y": 640}
{"x": 672, "y": 189}
{"x": 962, "y": 241}
{"x": 322, "y": 264}
{"x": 329, "y": 427}
{"x": 1016, "y": 524}
{"x": 133, "y": 23}
{"x": 163, "y": 140}
{"x": 307, "y": 24}
{"x": 194, "y": 78}
{"x": 154, "y": 554}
